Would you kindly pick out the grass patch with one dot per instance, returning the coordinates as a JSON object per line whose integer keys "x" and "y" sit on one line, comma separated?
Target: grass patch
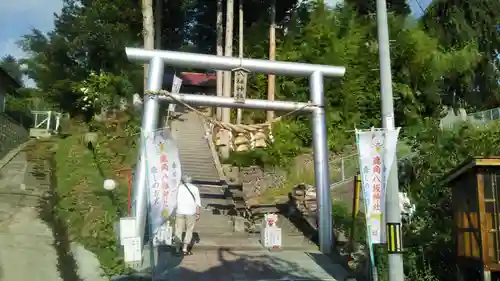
{"x": 89, "y": 211}
{"x": 342, "y": 218}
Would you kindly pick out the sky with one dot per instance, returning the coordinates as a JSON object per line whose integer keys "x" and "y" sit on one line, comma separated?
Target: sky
{"x": 18, "y": 17}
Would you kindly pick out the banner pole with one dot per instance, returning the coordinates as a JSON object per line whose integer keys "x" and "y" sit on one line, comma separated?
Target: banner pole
{"x": 393, "y": 213}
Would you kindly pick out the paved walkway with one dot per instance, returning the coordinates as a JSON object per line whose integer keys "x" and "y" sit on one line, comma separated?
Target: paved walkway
{"x": 249, "y": 265}
{"x": 26, "y": 240}
{"x": 238, "y": 258}
{"x": 222, "y": 265}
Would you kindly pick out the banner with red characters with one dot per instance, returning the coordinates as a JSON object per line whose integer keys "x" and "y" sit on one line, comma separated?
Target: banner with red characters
{"x": 377, "y": 151}
{"x": 163, "y": 176}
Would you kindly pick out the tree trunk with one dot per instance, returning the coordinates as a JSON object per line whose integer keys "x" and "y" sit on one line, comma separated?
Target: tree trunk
{"x": 148, "y": 32}
{"x": 220, "y": 52}
{"x": 158, "y": 16}
{"x": 272, "y": 56}
{"x": 226, "y": 113}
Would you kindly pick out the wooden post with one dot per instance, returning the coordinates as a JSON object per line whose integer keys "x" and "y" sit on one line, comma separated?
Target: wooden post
{"x": 220, "y": 52}
{"x": 271, "y": 83}
{"x": 483, "y": 226}
{"x": 355, "y": 208}
{"x": 241, "y": 76}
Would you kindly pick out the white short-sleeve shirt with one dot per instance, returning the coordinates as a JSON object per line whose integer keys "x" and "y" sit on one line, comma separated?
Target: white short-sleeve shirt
{"x": 186, "y": 204}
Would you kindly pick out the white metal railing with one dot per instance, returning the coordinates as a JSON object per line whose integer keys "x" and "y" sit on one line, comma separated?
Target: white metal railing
{"x": 344, "y": 168}
{"x": 48, "y": 120}
{"x": 485, "y": 116}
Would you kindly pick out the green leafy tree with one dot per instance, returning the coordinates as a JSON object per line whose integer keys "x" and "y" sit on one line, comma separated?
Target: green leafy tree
{"x": 458, "y": 23}
{"x": 340, "y": 37}
{"x": 13, "y": 67}
{"x": 256, "y": 12}
{"x": 88, "y": 36}
{"x": 369, "y": 7}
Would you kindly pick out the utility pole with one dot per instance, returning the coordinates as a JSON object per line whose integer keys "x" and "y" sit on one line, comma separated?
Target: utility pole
{"x": 271, "y": 78}
{"x": 393, "y": 213}
{"x": 148, "y": 32}
{"x": 220, "y": 52}
{"x": 239, "y": 111}
{"x": 226, "y": 112}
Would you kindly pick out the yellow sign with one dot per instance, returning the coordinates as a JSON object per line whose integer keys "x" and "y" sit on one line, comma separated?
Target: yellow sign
{"x": 394, "y": 238}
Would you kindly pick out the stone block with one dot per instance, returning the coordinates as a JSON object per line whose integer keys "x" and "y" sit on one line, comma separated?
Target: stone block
{"x": 238, "y": 224}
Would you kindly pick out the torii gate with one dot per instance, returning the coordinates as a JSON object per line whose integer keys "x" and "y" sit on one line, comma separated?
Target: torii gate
{"x": 316, "y": 73}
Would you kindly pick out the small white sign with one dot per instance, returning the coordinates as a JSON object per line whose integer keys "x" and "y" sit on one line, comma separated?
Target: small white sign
{"x": 127, "y": 228}
{"x": 271, "y": 237}
{"x": 132, "y": 250}
{"x": 270, "y": 233}
{"x": 176, "y": 84}
{"x": 176, "y": 87}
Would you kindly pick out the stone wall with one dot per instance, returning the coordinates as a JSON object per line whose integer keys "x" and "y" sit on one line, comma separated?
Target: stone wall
{"x": 12, "y": 134}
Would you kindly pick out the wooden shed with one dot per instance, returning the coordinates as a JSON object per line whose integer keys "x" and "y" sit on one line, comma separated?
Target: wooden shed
{"x": 475, "y": 197}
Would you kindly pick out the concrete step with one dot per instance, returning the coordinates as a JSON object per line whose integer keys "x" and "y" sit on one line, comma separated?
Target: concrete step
{"x": 195, "y": 137}
{"x": 192, "y": 135}
{"x": 202, "y": 158}
{"x": 221, "y": 204}
{"x": 200, "y": 168}
{"x": 201, "y": 174}
{"x": 195, "y": 151}
{"x": 247, "y": 242}
{"x": 215, "y": 190}
{"x": 206, "y": 225}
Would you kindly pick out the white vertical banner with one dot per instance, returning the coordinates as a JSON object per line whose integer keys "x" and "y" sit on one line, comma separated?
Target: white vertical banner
{"x": 176, "y": 87}
{"x": 377, "y": 150}
{"x": 163, "y": 176}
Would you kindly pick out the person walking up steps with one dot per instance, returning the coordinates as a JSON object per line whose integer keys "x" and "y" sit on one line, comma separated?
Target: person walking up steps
{"x": 187, "y": 213}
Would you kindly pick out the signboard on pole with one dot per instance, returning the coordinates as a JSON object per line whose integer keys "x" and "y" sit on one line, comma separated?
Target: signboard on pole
{"x": 377, "y": 151}
{"x": 163, "y": 176}
{"x": 176, "y": 87}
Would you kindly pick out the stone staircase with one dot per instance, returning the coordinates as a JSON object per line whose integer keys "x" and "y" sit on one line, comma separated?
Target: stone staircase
{"x": 218, "y": 199}
{"x": 197, "y": 160}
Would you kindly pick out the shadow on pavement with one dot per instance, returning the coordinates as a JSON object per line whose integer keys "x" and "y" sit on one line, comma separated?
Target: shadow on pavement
{"x": 225, "y": 265}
